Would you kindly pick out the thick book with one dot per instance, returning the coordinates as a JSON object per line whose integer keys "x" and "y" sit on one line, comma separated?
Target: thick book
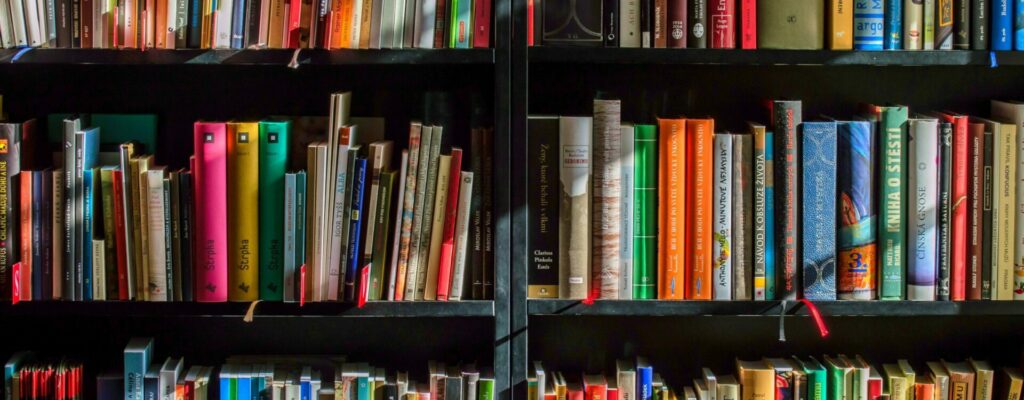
{"x": 572, "y": 23}
{"x": 1014, "y": 112}
{"x": 722, "y": 21}
{"x": 542, "y": 209}
{"x": 923, "y": 182}
{"x": 419, "y": 189}
{"x": 273, "y": 161}
{"x": 945, "y": 216}
{"x": 671, "y": 271}
{"x": 763, "y": 222}
{"x": 980, "y": 24}
{"x": 426, "y": 230}
{"x": 606, "y": 213}
{"x": 138, "y": 353}
{"x": 785, "y": 119}
{"x": 243, "y": 211}
{"x": 71, "y": 180}
{"x": 645, "y": 215}
{"x": 958, "y": 239}
{"x": 913, "y": 21}
{"x": 1002, "y": 25}
{"x": 819, "y": 144}
{"x": 628, "y": 170}
{"x": 574, "y": 212}
{"x": 677, "y": 10}
{"x": 699, "y": 208}
{"x": 857, "y": 264}
{"x": 721, "y": 264}
{"x": 868, "y": 23}
{"x": 450, "y": 212}
{"x": 211, "y": 218}
{"x": 10, "y": 167}
{"x": 840, "y": 24}
{"x": 697, "y": 24}
{"x": 893, "y": 21}
{"x": 1004, "y": 212}
{"x": 756, "y": 379}
{"x": 791, "y": 24}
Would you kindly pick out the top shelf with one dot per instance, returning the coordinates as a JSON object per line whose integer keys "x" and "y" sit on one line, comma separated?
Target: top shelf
{"x": 582, "y": 55}
{"x": 265, "y": 57}
{"x": 373, "y": 309}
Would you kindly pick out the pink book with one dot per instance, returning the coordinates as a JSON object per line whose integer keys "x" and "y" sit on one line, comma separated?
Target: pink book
{"x": 748, "y": 24}
{"x": 482, "y": 25}
{"x": 211, "y": 218}
{"x": 444, "y": 271}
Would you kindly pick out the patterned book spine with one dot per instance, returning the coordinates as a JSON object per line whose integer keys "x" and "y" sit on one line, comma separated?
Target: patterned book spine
{"x": 944, "y": 24}
{"x": 723, "y": 24}
{"x": 786, "y": 117}
{"x": 1002, "y": 24}
{"x": 672, "y": 253}
{"x": 868, "y": 22}
{"x": 574, "y": 213}
{"x": 763, "y": 240}
{"x": 408, "y": 201}
{"x": 211, "y": 219}
{"x": 928, "y": 27}
{"x": 922, "y": 179}
{"x": 913, "y": 17}
{"x": 645, "y": 204}
{"x": 818, "y": 143}
{"x": 243, "y": 213}
{"x": 893, "y": 25}
{"x": 412, "y": 291}
{"x": 1004, "y": 214}
{"x": 1018, "y": 25}
{"x": 892, "y": 234}
{"x": 273, "y": 162}
{"x": 722, "y": 208}
{"x": 607, "y": 203}
{"x": 628, "y": 193}
{"x": 542, "y": 208}
{"x": 857, "y": 265}
{"x": 742, "y": 217}
{"x": 945, "y": 209}
{"x": 699, "y": 189}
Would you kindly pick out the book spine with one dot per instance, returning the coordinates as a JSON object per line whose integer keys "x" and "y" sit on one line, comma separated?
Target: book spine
{"x": 109, "y": 253}
{"x": 892, "y": 237}
{"x": 46, "y": 234}
{"x": 699, "y": 208}
{"x": 461, "y": 237}
{"x": 172, "y": 274}
{"x": 721, "y": 264}
{"x": 975, "y": 216}
{"x": 122, "y": 264}
{"x": 482, "y": 24}
{"x": 243, "y": 211}
{"x": 39, "y": 276}
{"x": 607, "y": 187}
{"x": 435, "y": 230}
{"x": 412, "y": 291}
{"x": 818, "y": 169}
{"x": 1005, "y": 215}
{"x": 82, "y": 279}
{"x": 610, "y": 23}
{"x": 396, "y": 225}
{"x": 961, "y": 24}
{"x": 676, "y": 24}
{"x": 857, "y": 263}
{"x": 575, "y": 213}
{"x": 660, "y": 24}
{"x": 194, "y": 24}
{"x": 628, "y": 141}
{"x": 68, "y": 286}
{"x": 356, "y": 226}
{"x": 238, "y": 25}
{"x": 186, "y": 193}
{"x": 87, "y": 225}
{"x": 440, "y": 23}
{"x": 928, "y": 25}
{"x": 1002, "y": 24}
{"x": 645, "y": 214}
{"x": 56, "y": 233}
{"x": 408, "y": 200}
{"x": 273, "y": 160}
{"x": 1018, "y": 25}
{"x": 742, "y": 217}
{"x": 913, "y": 19}
{"x": 159, "y": 281}
{"x": 444, "y": 273}
{"x": 979, "y": 24}
{"x": 786, "y": 117}
{"x": 252, "y": 18}
{"x": 429, "y": 205}
{"x": 10, "y": 161}
{"x": 986, "y": 229}
{"x": 671, "y": 173}
{"x": 629, "y": 22}
{"x": 211, "y": 220}
{"x": 893, "y": 25}
{"x": 543, "y": 254}
{"x": 646, "y": 24}
{"x": 762, "y": 240}
{"x": 378, "y": 289}
{"x": 922, "y": 179}
{"x": 748, "y": 24}
{"x": 697, "y": 24}
{"x": 301, "y": 184}
{"x": 339, "y": 216}
{"x": 944, "y": 21}
{"x": 945, "y": 209}
{"x": 840, "y": 21}
{"x": 958, "y": 247}
{"x": 288, "y": 267}
{"x": 24, "y": 285}
{"x": 486, "y": 176}
{"x": 723, "y": 24}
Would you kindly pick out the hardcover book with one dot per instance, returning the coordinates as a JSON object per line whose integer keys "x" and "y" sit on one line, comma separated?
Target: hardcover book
{"x": 791, "y": 24}
{"x": 450, "y": 211}
{"x": 677, "y": 38}
{"x": 723, "y": 24}
{"x": 699, "y": 214}
{"x": 945, "y": 215}
{"x": 818, "y": 163}
{"x": 892, "y": 249}
{"x": 243, "y": 211}
{"x": 574, "y": 213}
{"x": 645, "y": 216}
{"x": 748, "y": 24}
{"x": 576, "y": 23}
{"x": 857, "y": 264}
{"x": 958, "y": 201}
{"x": 672, "y": 177}
{"x": 786, "y": 118}
{"x": 742, "y": 218}
{"x": 660, "y": 19}
{"x": 158, "y": 282}
{"x": 840, "y": 24}
{"x": 697, "y": 24}
{"x": 980, "y": 141}
{"x": 928, "y": 27}
{"x": 437, "y": 226}
{"x": 1014, "y": 112}
{"x": 913, "y": 19}
{"x": 459, "y": 275}
{"x": 923, "y": 181}
{"x": 979, "y": 24}
{"x": 1018, "y": 25}
{"x": 721, "y": 265}
{"x": 211, "y": 219}
{"x": 1002, "y": 24}
{"x": 138, "y": 353}
{"x": 542, "y": 208}
{"x": 273, "y": 162}
{"x": 893, "y": 25}
{"x": 403, "y": 283}
{"x": 1004, "y": 212}
{"x": 629, "y": 23}
{"x": 868, "y": 23}
{"x": 944, "y": 24}
{"x": 10, "y": 167}
{"x": 961, "y": 24}
{"x": 763, "y": 239}
{"x": 628, "y": 141}
{"x": 607, "y": 195}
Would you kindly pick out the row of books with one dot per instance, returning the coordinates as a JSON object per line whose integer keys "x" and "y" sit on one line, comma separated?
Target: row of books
{"x": 30, "y": 379}
{"x": 238, "y": 225}
{"x": 790, "y": 24}
{"x": 795, "y": 378}
{"x": 886, "y": 205}
{"x": 242, "y": 24}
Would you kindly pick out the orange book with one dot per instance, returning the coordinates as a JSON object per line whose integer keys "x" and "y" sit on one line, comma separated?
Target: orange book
{"x": 925, "y": 389}
{"x": 699, "y": 167}
{"x": 337, "y": 39}
{"x": 160, "y": 29}
{"x": 672, "y": 209}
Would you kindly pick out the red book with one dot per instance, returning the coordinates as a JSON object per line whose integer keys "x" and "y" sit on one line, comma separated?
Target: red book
{"x": 482, "y": 24}
{"x": 87, "y": 24}
{"x": 748, "y": 24}
{"x": 874, "y": 386}
{"x": 596, "y": 387}
{"x": 574, "y": 391}
{"x": 722, "y": 20}
{"x": 119, "y": 242}
{"x": 294, "y": 22}
{"x": 211, "y": 269}
{"x": 677, "y": 24}
{"x": 660, "y": 23}
{"x": 975, "y": 200}
{"x": 613, "y": 393}
{"x": 441, "y": 25}
{"x": 444, "y": 272}
{"x": 530, "y": 23}
{"x": 25, "y": 179}
{"x": 958, "y": 248}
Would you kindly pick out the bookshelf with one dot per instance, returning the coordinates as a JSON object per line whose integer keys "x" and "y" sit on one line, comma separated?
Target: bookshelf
{"x": 580, "y": 55}
{"x": 262, "y": 57}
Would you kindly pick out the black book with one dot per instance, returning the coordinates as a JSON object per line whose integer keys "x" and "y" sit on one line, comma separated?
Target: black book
{"x": 76, "y": 23}
{"x": 487, "y": 186}
{"x": 961, "y": 24}
{"x": 38, "y": 268}
{"x": 251, "y": 33}
{"x": 697, "y": 23}
{"x": 542, "y": 207}
{"x": 573, "y": 23}
{"x": 611, "y": 23}
{"x": 10, "y": 166}
{"x": 181, "y": 19}
{"x": 46, "y": 231}
{"x": 646, "y": 23}
{"x": 786, "y": 118}
{"x": 987, "y": 178}
{"x": 538, "y": 21}
{"x": 453, "y": 385}
{"x": 979, "y": 24}
{"x": 175, "y": 205}
{"x": 945, "y": 207}
{"x": 63, "y": 19}
{"x": 185, "y": 231}
{"x": 194, "y": 27}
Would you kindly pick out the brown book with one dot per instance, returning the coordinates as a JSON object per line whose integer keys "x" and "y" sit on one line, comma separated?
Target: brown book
{"x": 677, "y": 24}
{"x": 660, "y": 23}
{"x": 975, "y": 197}
{"x": 791, "y": 24}
{"x": 961, "y": 380}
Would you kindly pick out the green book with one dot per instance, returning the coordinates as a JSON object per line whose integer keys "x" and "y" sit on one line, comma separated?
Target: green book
{"x": 892, "y": 234}
{"x": 840, "y": 375}
{"x": 485, "y": 386}
{"x": 461, "y": 32}
{"x": 110, "y": 253}
{"x": 273, "y": 163}
{"x": 817, "y": 379}
{"x": 645, "y": 213}
{"x": 116, "y": 128}
{"x": 379, "y": 261}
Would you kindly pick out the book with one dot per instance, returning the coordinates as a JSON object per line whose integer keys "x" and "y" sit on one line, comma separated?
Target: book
{"x": 379, "y": 159}
{"x": 541, "y": 207}
{"x": 913, "y": 21}
{"x": 139, "y": 168}
{"x": 126, "y": 152}
{"x": 818, "y": 143}
{"x": 572, "y": 24}
{"x": 697, "y": 24}
{"x": 186, "y": 193}
{"x": 87, "y": 151}
{"x": 928, "y": 25}
{"x": 412, "y": 291}
{"x": 945, "y": 210}
{"x": 450, "y": 213}
{"x": 786, "y": 118}
{"x": 722, "y": 20}
{"x": 22, "y": 279}
{"x": 958, "y": 238}
{"x": 961, "y": 24}
{"x": 748, "y": 24}
{"x": 672, "y": 171}
{"x": 1003, "y": 211}
{"x": 243, "y": 211}
{"x": 211, "y": 220}
{"x": 893, "y": 25}
{"x": 981, "y": 143}
{"x": 404, "y": 284}
{"x": 137, "y": 355}
{"x": 359, "y": 186}
{"x": 644, "y": 379}
{"x": 944, "y": 18}
{"x": 937, "y": 373}
{"x": 108, "y": 254}
{"x": 700, "y": 171}
{"x": 756, "y": 378}
{"x": 1010, "y": 387}
{"x": 764, "y": 238}
{"x": 984, "y": 375}
{"x": 426, "y": 232}
{"x": 645, "y": 202}
{"x": 892, "y": 249}
{"x": 627, "y": 169}
{"x": 676, "y": 25}
{"x": 606, "y": 213}
{"x": 980, "y": 24}
{"x": 742, "y": 219}
{"x": 840, "y": 24}
{"x": 721, "y": 264}
{"x": 1014, "y": 112}
{"x": 461, "y": 237}
{"x": 857, "y": 264}
{"x": 1002, "y": 25}
{"x": 574, "y": 213}
{"x": 961, "y": 380}
{"x": 10, "y": 167}
{"x": 158, "y": 282}
{"x": 791, "y": 25}
{"x": 629, "y": 23}
{"x": 922, "y": 180}
{"x": 273, "y": 161}
{"x": 436, "y": 232}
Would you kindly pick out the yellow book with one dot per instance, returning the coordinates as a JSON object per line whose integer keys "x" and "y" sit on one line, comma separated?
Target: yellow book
{"x": 910, "y": 376}
{"x": 1003, "y": 211}
{"x": 139, "y": 209}
{"x": 896, "y": 382}
{"x": 841, "y": 25}
{"x": 1011, "y": 384}
{"x": 437, "y": 227}
{"x": 756, "y": 379}
{"x": 984, "y": 375}
{"x": 243, "y": 211}
{"x": 206, "y": 30}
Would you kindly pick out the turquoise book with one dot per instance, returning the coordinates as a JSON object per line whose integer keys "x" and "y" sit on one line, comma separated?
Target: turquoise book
{"x": 288, "y": 266}
{"x": 818, "y": 171}
{"x": 868, "y": 23}
{"x": 137, "y": 355}
{"x": 817, "y": 379}
{"x": 273, "y": 161}
{"x": 117, "y": 128}
{"x": 893, "y": 211}
{"x": 462, "y": 27}
{"x": 300, "y": 220}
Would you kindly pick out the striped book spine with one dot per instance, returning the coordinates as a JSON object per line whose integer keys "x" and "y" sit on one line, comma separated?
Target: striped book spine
{"x": 922, "y": 179}
{"x": 672, "y": 257}
{"x": 818, "y": 144}
{"x": 645, "y": 204}
{"x": 721, "y": 263}
{"x": 857, "y": 264}
{"x": 607, "y": 183}
{"x": 742, "y": 217}
{"x": 408, "y": 201}
{"x": 211, "y": 218}
{"x": 699, "y": 171}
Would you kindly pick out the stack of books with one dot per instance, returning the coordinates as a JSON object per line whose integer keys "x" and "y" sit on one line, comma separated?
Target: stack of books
{"x": 888, "y": 205}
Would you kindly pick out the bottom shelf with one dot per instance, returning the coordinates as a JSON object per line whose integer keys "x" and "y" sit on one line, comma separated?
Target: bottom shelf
{"x": 666, "y": 308}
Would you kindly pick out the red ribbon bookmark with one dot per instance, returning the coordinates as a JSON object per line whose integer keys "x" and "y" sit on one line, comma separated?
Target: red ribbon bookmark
{"x": 816, "y": 315}
{"x": 594, "y": 294}
{"x": 302, "y": 285}
{"x": 16, "y": 283}
{"x": 364, "y": 283}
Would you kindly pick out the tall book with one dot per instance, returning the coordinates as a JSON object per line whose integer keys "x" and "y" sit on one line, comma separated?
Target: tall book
{"x": 671, "y": 207}
{"x": 24, "y": 276}
{"x": 106, "y": 204}
{"x": 913, "y": 24}
{"x": 676, "y": 24}
{"x": 316, "y": 281}
{"x": 961, "y": 24}
{"x": 818, "y": 144}
{"x": 786, "y": 118}
{"x": 243, "y": 211}
{"x": 840, "y": 24}
{"x": 359, "y": 187}
{"x": 396, "y": 225}
{"x": 1014, "y": 112}
{"x": 10, "y": 167}
{"x": 412, "y": 291}
{"x": 543, "y": 147}
{"x": 893, "y": 25}
{"x": 945, "y": 216}
{"x": 436, "y": 232}
{"x": 628, "y": 169}
{"x": 403, "y": 284}
{"x": 697, "y": 24}
{"x": 892, "y": 239}
{"x": 288, "y": 267}
{"x": 764, "y": 238}
{"x": 126, "y": 152}
{"x": 928, "y": 27}
{"x": 139, "y": 167}
{"x": 922, "y": 210}
{"x": 978, "y": 239}
{"x": 699, "y": 217}
{"x": 645, "y": 216}
{"x": 138, "y": 353}
{"x": 186, "y": 203}
{"x": 958, "y": 201}
{"x": 944, "y": 17}
{"x": 980, "y": 24}
{"x": 379, "y": 160}
{"x": 70, "y": 126}
{"x": 629, "y": 23}
{"x": 721, "y": 264}
{"x": 1004, "y": 212}
{"x": 574, "y": 212}
{"x": 722, "y": 20}
{"x": 426, "y": 231}
{"x": 381, "y": 257}
{"x": 1002, "y": 25}
{"x": 87, "y": 143}
{"x": 607, "y": 193}
{"x": 776, "y": 30}
{"x": 273, "y": 162}
{"x": 857, "y": 265}
{"x": 458, "y": 289}
{"x": 450, "y": 212}
{"x": 748, "y": 24}
{"x": 211, "y": 219}
{"x": 157, "y": 277}
{"x": 742, "y": 217}
{"x": 338, "y": 204}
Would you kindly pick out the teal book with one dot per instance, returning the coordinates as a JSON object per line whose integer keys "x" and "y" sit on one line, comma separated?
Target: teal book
{"x": 462, "y": 27}
{"x": 892, "y": 210}
{"x": 363, "y": 384}
{"x": 87, "y": 272}
{"x": 300, "y": 223}
{"x": 645, "y": 213}
{"x": 817, "y": 379}
{"x": 137, "y": 355}
{"x": 116, "y": 128}
{"x": 12, "y": 367}
{"x": 289, "y": 267}
{"x": 273, "y": 161}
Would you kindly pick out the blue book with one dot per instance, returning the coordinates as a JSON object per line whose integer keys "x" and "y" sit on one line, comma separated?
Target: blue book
{"x": 38, "y": 277}
{"x": 226, "y": 372}
{"x": 87, "y": 234}
{"x": 356, "y": 227}
{"x": 238, "y": 24}
{"x": 88, "y": 143}
{"x": 855, "y": 242}
{"x": 137, "y": 354}
{"x": 868, "y": 24}
{"x": 195, "y": 24}
{"x": 893, "y": 25}
{"x": 259, "y": 383}
{"x": 306, "y": 384}
{"x": 244, "y": 373}
{"x": 818, "y": 197}
{"x": 1018, "y": 25}
{"x": 1002, "y": 24}
{"x": 644, "y": 379}
{"x": 769, "y": 220}
{"x": 12, "y": 367}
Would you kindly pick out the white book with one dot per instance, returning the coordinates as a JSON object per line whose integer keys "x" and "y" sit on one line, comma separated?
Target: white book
{"x": 1014, "y": 112}
{"x": 44, "y": 26}
{"x": 32, "y": 27}
{"x": 423, "y": 35}
{"x": 357, "y": 16}
{"x": 913, "y": 18}
{"x": 18, "y": 23}
{"x": 721, "y": 263}
{"x": 222, "y": 24}
{"x": 922, "y": 182}
{"x": 626, "y": 236}
{"x": 168, "y": 377}
{"x": 409, "y": 24}
{"x": 376, "y": 22}
{"x": 408, "y": 206}
{"x": 710, "y": 382}
{"x": 385, "y": 37}
{"x": 461, "y": 237}
{"x": 396, "y": 223}
{"x": 172, "y": 24}
{"x": 575, "y": 235}
{"x": 607, "y": 198}
{"x": 629, "y": 24}
{"x": 625, "y": 378}
{"x": 157, "y": 239}
{"x": 1003, "y": 213}
{"x": 6, "y": 29}
{"x": 99, "y": 270}
{"x": 398, "y": 24}
{"x": 338, "y": 222}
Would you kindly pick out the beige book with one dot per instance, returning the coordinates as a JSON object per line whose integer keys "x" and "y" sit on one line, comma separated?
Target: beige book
{"x": 908, "y": 373}
{"x": 896, "y": 382}
{"x": 1004, "y": 187}
{"x": 433, "y": 159}
{"x": 156, "y": 239}
{"x": 143, "y": 226}
{"x": 99, "y": 269}
{"x": 1014, "y": 112}
{"x": 728, "y": 388}
{"x": 756, "y": 379}
{"x": 419, "y": 193}
{"x": 984, "y": 377}
{"x": 57, "y": 249}
{"x": 941, "y": 378}
{"x": 437, "y": 226}
{"x": 574, "y": 233}
{"x": 462, "y": 236}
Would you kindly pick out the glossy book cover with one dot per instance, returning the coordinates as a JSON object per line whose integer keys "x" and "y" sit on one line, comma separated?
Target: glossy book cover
{"x": 857, "y": 263}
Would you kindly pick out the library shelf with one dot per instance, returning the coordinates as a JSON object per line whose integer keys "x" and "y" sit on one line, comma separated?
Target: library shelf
{"x": 263, "y": 57}
{"x": 375, "y": 309}
{"x": 661, "y": 308}
{"x": 582, "y": 55}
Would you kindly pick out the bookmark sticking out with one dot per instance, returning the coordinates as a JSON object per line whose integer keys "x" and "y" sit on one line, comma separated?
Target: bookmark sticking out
{"x": 20, "y": 53}
{"x": 782, "y": 322}
{"x": 992, "y": 59}
{"x": 16, "y": 283}
{"x": 294, "y": 63}
{"x": 594, "y": 293}
{"x": 302, "y": 285}
{"x": 364, "y": 283}
{"x": 252, "y": 310}
{"x": 816, "y": 315}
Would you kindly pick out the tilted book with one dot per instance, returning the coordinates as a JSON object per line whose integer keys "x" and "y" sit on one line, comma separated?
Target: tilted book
{"x": 243, "y": 211}
{"x": 721, "y": 264}
{"x": 742, "y": 217}
{"x": 273, "y": 161}
{"x": 923, "y": 181}
{"x": 354, "y": 244}
{"x": 645, "y": 216}
{"x": 857, "y": 265}
{"x": 378, "y": 285}
{"x": 628, "y": 135}
{"x": 1014, "y": 112}
{"x": 574, "y": 213}
{"x": 818, "y": 144}
{"x": 436, "y": 232}
{"x": 380, "y": 158}
{"x": 396, "y": 226}
{"x": 542, "y": 207}
{"x": 211, "y": 218}
{"x": 607, "y": 198}
{"x": 699, "y": 209}
{"x": 671, "y": 208}
{"x": 785, "y": 119}
{"x": 763, "y": 225}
